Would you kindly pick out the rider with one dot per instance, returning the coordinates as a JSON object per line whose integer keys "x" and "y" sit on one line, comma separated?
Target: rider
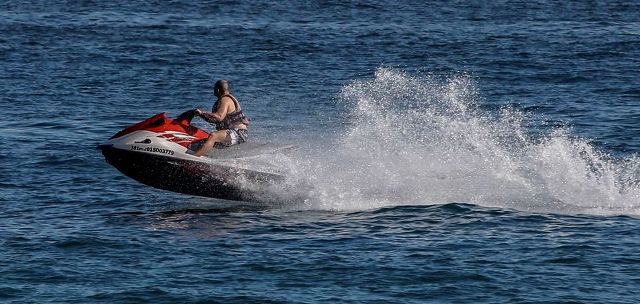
{"x": 231, "y": 123}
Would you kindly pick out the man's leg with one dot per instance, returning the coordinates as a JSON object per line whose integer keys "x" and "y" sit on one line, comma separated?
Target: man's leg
{"x": 214, "y": 137}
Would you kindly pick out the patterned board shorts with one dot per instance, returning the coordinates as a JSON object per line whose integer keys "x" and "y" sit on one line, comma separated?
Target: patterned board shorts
{"x": 235, "y": 136}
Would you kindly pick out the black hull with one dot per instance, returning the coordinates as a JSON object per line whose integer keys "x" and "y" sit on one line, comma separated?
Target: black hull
{"x": 188, "y": 177}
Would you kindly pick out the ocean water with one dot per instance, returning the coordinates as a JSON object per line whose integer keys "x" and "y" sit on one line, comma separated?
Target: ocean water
{"x": 449, "y": 152}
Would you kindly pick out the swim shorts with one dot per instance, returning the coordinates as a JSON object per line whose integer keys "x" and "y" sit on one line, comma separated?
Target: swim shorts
{"x": 235, "y": 136}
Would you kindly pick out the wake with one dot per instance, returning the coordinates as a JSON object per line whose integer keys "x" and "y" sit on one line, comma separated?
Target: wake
{"x": 422, "y": 140}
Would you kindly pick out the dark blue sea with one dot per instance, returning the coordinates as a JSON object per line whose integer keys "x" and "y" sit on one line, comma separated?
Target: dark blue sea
{"x": 448, "y": 151}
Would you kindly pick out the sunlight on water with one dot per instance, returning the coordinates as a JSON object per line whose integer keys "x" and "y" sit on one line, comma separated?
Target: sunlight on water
{"x": 423, "y": 140}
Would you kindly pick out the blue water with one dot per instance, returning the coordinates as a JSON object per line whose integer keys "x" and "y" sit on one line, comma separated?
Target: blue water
{"x": 450, "y": 152}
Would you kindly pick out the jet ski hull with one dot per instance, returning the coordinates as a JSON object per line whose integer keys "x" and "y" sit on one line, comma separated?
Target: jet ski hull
{"x": 188, "y": 177}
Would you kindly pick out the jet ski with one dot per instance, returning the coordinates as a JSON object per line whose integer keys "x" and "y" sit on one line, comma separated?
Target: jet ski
{"x": 158, "y": 152}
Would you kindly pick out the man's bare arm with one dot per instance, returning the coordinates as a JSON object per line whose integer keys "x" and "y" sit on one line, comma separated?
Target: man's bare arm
{"x": 217, "y": 116}
{"x": 209, "y": 117}
{"x": 221, "y": 113}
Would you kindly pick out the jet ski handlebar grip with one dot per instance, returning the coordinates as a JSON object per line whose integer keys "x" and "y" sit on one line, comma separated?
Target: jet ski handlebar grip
{"x": 187, "y": 116}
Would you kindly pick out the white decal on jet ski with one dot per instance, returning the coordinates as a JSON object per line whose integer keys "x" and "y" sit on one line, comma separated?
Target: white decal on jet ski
{"x": 152, "y": 149}
{"x": 177, "y": 137}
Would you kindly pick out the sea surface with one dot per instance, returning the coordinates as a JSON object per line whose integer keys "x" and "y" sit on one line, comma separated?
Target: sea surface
{"x": 449, "y": 151}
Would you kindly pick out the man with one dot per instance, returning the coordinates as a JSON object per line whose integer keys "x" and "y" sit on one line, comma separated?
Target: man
{"x": 231, "y": 123}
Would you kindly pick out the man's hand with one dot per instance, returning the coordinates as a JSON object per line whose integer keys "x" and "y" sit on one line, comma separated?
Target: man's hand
{"x": 198, "y": 112}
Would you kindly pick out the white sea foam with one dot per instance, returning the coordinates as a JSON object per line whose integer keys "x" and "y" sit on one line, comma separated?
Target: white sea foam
{"x": 423, "y": 140}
